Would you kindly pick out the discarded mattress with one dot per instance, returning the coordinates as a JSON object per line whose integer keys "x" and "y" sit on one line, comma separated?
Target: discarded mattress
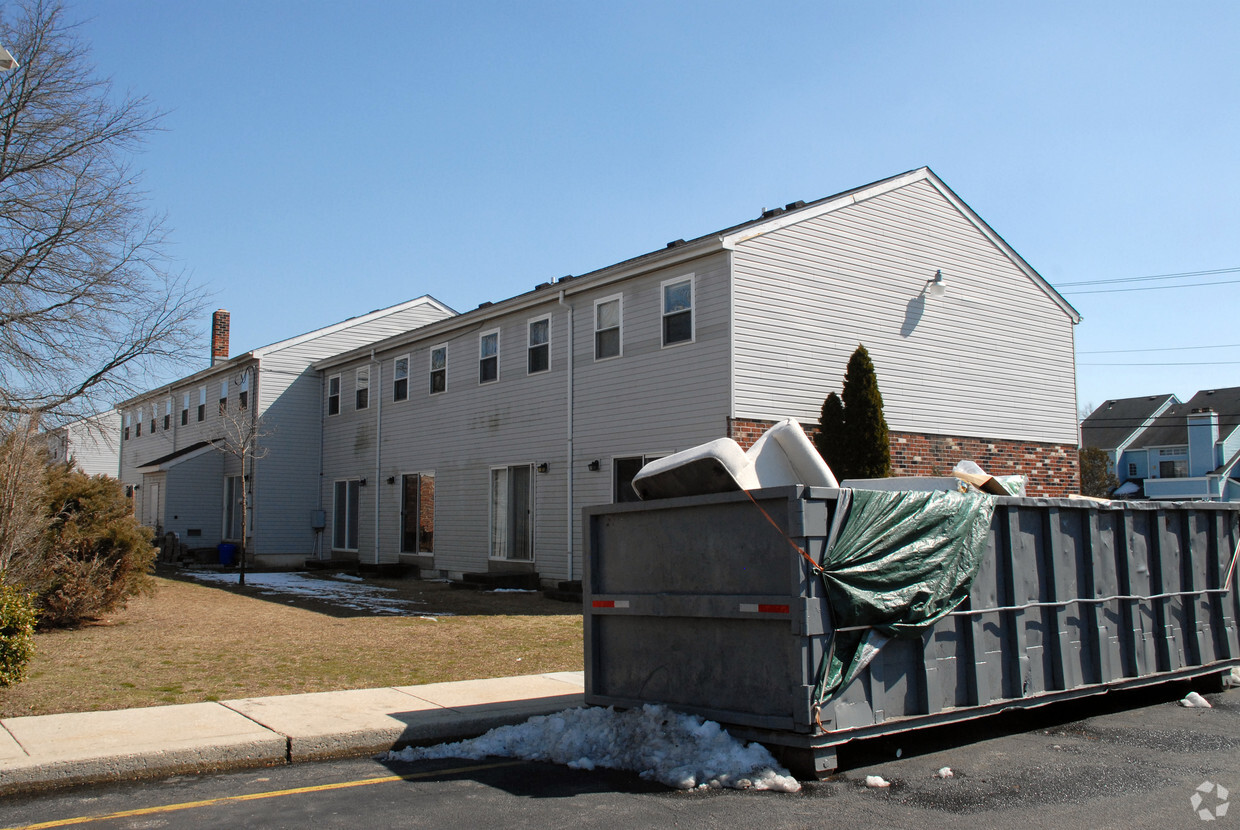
{"x": 782, "y": 455}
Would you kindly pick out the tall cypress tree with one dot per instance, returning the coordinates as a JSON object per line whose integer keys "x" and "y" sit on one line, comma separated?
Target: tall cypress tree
{"x": 830, "y": 439}
{"x": 865, "y": 428}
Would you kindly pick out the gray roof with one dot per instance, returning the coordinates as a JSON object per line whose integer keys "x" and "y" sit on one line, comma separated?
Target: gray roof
{"x": 1171, "y": 428}
{"x": 1115, "y": 421}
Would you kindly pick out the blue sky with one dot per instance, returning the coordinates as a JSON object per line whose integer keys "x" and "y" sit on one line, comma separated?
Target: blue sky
{"x": 320, "y": 160}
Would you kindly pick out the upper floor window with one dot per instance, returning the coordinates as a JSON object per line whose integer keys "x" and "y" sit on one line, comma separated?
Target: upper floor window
{"x": 607, "y": 322}
{"x": 243, "y": 392}
{"x": 488, "y": 357}
{"x": 539, "y": 355}
{"x": 185, "y": 409}
{"x": 168, "y": 414}
{"x": 1132, "y": 470}
{"x": 137, "y": 431}
{"x": 678, "y": 310}
{"x": 361, "y": 387}
{"x": 439, "y": 369}
{"x": 202, "y": 402}
{"x": 400, "y": 378}
{"x": 333, "y": 395}
{"x": 128, "y": 422}
{"x": 223, "y": 396}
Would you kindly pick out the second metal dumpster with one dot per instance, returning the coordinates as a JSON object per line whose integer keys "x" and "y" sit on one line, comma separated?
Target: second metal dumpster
{"x": 705, "y": 604}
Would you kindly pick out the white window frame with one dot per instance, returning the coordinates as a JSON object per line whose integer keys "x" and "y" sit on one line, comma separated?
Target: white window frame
{"x": 223, "y": 396}
{"x": 663, "y": 312}
{"x": 482, "y": 358}
{"x": 492, "y": 515}
{"x": 333, "y": 379}
{"x": 352, "y": 513}
{"x": 168, "y": 414}
{"x": 619, "y": 327}
{"x": 243, "y": 391}
{"x": 397, "y": 393}
{"x": 444, "y": 369}
{"x": 202, "y": 403}
{"x": 530, "y": 345}
{"x": 185, "y": 409}
{"x": 361, "y": 383}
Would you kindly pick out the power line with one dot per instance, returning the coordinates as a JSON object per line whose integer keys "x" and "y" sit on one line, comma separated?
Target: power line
{"x": 1180, "y": 275}
{"x": 1149, "y": 287}
{"x": 1162, "y": 349}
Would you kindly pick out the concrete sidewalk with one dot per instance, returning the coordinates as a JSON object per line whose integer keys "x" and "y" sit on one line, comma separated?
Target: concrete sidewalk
{"x": 60, "y": 750}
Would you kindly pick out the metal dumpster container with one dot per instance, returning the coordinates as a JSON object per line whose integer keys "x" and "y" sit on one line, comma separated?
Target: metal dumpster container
{"x": 704, "y": 604}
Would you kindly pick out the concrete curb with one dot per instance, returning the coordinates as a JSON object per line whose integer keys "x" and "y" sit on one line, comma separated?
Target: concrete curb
{"x": 48, "y": 751}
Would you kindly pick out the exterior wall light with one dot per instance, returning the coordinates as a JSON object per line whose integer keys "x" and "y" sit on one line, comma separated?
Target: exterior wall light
{"x": 593, "y": 466}
{"x": 542, "y": 468}
{"x": 935, "y": 287}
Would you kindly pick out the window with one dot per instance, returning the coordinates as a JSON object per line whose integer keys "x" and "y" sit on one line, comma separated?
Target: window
{"x": 512, "y": 520}
{"x": 333, "y": 395}
{"x": 1173, "y": 469}
{"x": 488, "y": 357}
{"x": 128, "y": 421}
{"x": 361, "y": 387}
{"x": 417, "y": 513}
{"x": 137, "y": 432}
{"x": 623, "y": 470}
{"x": 439, "y": 369}
{"x": 678, "y": 311}
{"x": 202, "y": 402}
{"x": 232, "y": 507}
{"x": 539, "y": 354}
{"x": 400, "y": 379}
{"x": 1132, "y": 470}
{"x": 223, "y": 396}
{"x": 168, "y": 414}
{"x": 243, "y": 392}
{"x": 185, "y": 409}
{"x": 344, "y": 514}
{"x": 607, "y": 317}
{"x": 154, "y": 416}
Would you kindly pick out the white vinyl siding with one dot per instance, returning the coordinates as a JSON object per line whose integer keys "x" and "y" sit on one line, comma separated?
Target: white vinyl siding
{"x": 807, "y": 294}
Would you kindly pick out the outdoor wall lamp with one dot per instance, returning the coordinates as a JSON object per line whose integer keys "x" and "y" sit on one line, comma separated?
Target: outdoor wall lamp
{"x": 935, "y": 287}
{"x": 593, "y": 466}
{"x": 391, "y": 479}
{"x": 542, "y": 468}
{"x": 361, "y": 482}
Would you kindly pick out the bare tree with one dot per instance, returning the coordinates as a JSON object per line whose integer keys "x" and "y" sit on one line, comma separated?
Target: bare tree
{"x": 244, "y": 431}
{"x": 89, "y": 308}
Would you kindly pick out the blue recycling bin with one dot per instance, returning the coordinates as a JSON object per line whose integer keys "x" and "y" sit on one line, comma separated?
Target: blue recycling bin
{"x": 228, "y": 553}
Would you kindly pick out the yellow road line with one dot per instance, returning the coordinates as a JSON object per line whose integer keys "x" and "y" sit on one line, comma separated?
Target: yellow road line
{"x": 232, "y": 799}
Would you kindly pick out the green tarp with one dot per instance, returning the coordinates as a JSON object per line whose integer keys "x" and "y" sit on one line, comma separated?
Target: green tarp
{"x": 898, "y": 563}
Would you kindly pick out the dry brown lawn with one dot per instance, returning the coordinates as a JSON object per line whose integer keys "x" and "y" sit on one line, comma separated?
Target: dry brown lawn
{"x": 192, "y": 642}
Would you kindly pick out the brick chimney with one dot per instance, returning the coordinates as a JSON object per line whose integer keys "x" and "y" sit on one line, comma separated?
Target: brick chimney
{"x": 219, "y": 336}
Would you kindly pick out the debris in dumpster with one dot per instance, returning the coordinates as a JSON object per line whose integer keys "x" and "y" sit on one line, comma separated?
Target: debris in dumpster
{"x": 969, "y": 472}
{"x": 782, "y": 455}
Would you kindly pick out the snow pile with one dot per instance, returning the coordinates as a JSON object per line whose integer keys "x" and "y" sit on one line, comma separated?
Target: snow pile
{"x": 358, "y": 597}
{"x": 1195, "y": 701}
{"x": 1232, "y": 678}
{"x": 681, "y": 751}
{"x": 877, "y": 782}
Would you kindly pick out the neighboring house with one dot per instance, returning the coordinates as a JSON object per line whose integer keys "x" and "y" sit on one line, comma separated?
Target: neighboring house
{"x": 1191, "y": 451}
{"x": 1113, "y": 427}
{"x": 472, "y": 444}
{"x": 171, "y": 437}
{"x": 93, "y": 444}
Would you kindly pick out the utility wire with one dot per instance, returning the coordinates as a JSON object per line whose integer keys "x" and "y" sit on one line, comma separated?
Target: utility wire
{"x": 1180, "y": 275}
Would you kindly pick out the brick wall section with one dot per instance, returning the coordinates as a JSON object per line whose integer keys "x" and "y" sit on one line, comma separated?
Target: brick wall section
{"x": 1053, "y": 469}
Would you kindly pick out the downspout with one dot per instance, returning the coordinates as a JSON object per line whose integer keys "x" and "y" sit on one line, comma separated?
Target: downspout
{"x": 571, "y": 460}
{"x": 376, "y": 388}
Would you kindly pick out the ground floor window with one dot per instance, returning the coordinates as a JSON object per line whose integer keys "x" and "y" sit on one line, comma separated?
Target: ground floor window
{"x": 232, "y": 507}
{"x": 417, "y": 513}
{"x": 623, "y": 471}
{"x": 344, "y": 514}
{"x": 512, "y": 513}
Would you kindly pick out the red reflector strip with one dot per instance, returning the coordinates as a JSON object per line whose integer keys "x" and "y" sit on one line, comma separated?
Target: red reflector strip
{"x": 763, "y": 609}
{"x": 611, "y": 603}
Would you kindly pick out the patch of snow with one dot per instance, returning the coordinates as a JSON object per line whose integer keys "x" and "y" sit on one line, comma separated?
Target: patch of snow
{"x": 681, "y": 751}
{"x": 349, "y": 577}
{"x": 1195, "y": 701}
{"x": 876, "y": 781}
{"x": 945, "y": 772}
{"x": 1232, "y": 678}
{"x": 370, "y": 598}
{"x": 512, "y": 591}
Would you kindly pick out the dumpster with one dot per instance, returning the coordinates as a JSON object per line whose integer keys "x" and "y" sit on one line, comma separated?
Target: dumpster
{"x": 716, "y": 605}
{"x": 228, "y": 553}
